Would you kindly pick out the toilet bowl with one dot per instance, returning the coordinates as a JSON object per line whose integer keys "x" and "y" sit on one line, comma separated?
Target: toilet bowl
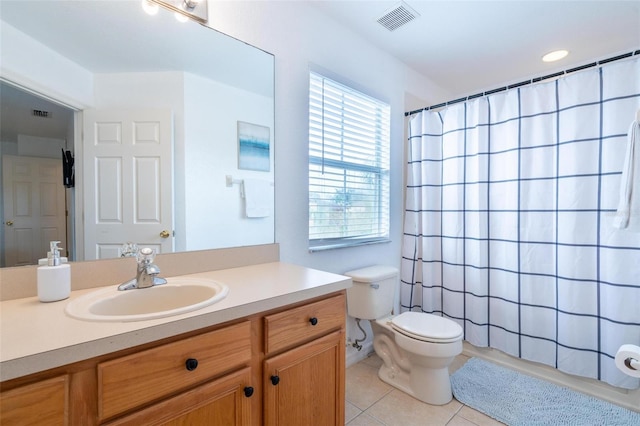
{"x": 416, "y": 348}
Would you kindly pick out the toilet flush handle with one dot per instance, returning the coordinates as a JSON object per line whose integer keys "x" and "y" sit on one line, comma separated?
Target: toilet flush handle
{"x": 375, "y": 286}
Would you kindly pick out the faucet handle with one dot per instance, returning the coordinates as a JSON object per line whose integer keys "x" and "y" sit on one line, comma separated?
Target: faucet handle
{"x": 129, "y": 249}
{"x": 146, "y": 255}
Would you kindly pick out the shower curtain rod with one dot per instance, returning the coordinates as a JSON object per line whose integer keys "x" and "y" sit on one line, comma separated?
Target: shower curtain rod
{"x": 526, "y": 82}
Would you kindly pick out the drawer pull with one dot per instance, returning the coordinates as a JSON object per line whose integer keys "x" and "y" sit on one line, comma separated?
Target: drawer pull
{"x": 248, "y": 391}
{"x": 313, "y": 320}
{"x": 275, "y": 380}
{"x": 191, "y": 364}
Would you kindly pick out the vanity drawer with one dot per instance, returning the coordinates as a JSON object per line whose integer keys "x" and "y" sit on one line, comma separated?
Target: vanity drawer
{"x": 41, "y": 403}
{"x": 146, "y": 376}
{"x": 297, "y": 325}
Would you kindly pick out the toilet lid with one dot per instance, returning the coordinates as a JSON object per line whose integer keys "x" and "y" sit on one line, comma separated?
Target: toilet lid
{"x": 427, "y": 327}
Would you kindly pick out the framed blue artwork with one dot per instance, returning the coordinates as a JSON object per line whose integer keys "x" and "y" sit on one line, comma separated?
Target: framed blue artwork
{"x": 254, "y": 147}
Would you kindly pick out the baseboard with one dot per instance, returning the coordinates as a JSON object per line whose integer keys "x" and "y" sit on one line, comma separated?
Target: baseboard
{"x": 354, "y": 356}
{"x": 629, "y": 399}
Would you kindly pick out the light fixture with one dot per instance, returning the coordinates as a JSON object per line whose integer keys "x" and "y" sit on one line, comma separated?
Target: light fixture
{"x": 150, "y": 7}
{"x": 184, "y": 9}
{"x": 556, "y": 55}
{"x": 190, "y": 4}
{"x": 180, "y": 17}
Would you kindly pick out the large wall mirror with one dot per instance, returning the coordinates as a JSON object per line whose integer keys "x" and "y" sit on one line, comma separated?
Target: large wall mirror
{"x": 169, "y": 126}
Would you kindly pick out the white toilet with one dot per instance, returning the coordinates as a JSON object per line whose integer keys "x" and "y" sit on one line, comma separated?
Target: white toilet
{"x": 416, "y": 347}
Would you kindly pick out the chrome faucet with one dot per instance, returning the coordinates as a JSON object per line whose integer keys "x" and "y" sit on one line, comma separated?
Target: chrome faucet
{"x": 146, "y": 275}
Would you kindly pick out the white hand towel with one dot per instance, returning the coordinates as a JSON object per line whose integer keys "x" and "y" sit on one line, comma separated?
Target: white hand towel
{"x": 257, "y": 196}
{"x": 628, "y": 213}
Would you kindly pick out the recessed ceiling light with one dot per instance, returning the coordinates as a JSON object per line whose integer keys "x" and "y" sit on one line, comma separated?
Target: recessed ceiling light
{"x": 555, "y": 55}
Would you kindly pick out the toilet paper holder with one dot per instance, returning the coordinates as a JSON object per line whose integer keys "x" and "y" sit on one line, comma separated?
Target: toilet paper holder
{"x": 627, "y": 360}
{"x": 632, "y": 363}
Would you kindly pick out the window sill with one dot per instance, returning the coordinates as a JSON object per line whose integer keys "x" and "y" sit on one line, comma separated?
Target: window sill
{"x": 331, "y": 245}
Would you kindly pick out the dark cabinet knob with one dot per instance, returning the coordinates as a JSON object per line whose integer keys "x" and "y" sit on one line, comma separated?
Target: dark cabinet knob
{"x": 191, "y": 364}
{"x": 313, "y": 320}
{"x": 275, "y": 380}
{"x": 248, "y": 391}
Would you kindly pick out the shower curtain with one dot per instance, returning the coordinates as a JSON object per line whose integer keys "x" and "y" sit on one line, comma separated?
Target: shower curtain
{"x": 508, "y": 230}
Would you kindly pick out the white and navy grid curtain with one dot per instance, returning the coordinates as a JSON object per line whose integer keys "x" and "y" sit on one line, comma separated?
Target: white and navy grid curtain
{"x": 509, "y": 230}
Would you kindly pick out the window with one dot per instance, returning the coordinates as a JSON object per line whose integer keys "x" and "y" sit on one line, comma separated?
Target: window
{"x": 348, "y": 166}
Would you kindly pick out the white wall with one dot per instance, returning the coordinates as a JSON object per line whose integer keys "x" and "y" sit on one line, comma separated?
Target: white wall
{"x": 215, "y": 215}
{"x": 60, "y": 79}
{"x": 300, "y": 37}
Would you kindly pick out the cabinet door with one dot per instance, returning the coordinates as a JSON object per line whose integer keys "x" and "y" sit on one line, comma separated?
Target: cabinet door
{"x": 41, "y": 403}
{"x": 305, "y": 386}
{"x": 221, "y": 402}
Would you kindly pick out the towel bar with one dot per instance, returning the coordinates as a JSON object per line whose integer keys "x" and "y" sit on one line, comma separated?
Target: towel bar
{"x": 231, "y": 181}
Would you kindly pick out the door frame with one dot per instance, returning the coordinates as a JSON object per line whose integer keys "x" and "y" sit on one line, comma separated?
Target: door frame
{"x": 78, "y": 194}
{"x": 75, "y": 233}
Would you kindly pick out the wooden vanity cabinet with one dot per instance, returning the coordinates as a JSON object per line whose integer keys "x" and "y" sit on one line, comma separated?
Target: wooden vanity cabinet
{"x": 220, "y": 402}
{"x": 132, "y": 381}
{"x": 305, "y": 385}
{"x": 222, "y": 375}
{"x": 304, "y": 369}
{"x": 45, "y": 402}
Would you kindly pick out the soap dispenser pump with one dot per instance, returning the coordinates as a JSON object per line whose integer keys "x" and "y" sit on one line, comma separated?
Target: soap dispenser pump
{"x": 54, "y": 279}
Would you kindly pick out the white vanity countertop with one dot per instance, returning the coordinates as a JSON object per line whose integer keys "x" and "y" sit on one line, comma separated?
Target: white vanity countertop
{"x": 38, "y": 336}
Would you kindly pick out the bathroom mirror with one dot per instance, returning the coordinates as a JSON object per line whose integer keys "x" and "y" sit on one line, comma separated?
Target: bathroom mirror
{"x": 75, "y": 60}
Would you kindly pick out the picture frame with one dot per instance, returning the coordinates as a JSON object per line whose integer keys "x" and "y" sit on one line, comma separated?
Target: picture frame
{"x": 254, "y": 147}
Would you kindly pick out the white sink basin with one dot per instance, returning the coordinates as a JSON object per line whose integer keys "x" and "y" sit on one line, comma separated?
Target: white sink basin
{"x": 177, "y": 296}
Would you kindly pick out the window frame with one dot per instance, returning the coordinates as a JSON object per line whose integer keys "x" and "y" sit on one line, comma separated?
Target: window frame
{"x": 380, "y": 170}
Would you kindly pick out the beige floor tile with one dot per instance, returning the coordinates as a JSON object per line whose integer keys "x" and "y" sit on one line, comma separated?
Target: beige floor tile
{"x": 350, "y": 412}
{"x": 458, "y": 420}
{"x": 398, "y": 408}
{"x": 365, "y": 420}
{"x": 373, "y": 360}
{"x": 477, "y": 417}
{"x": 457, "y": 363}
{"x": 371, "y": 402}
{"x": 363, "y": 387}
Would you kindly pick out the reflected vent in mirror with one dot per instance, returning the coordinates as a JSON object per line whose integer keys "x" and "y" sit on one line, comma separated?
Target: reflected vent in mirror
{"x": 40, "y": 113}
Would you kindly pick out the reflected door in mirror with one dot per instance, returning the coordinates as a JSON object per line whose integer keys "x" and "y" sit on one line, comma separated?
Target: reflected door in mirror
{"x": 34, "y": 208}
{"x": 128, "y": 161}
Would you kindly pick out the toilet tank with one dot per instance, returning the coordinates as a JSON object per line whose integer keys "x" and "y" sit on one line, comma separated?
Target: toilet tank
{"x": 371, "y": 295}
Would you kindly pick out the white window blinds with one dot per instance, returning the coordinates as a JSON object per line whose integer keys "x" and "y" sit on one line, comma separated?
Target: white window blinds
{"x": 348, "y": 166}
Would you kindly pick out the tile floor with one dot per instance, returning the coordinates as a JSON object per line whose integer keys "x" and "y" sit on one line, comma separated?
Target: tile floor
{"x": 372, "y": 402}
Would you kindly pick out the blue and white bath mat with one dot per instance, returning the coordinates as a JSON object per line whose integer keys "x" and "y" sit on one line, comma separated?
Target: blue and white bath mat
{"x": 517, "y": 399}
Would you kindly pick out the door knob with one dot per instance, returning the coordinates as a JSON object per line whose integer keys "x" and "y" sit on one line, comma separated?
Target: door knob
{"x": 9, "y": 223}
{"x": 275, "y": 380}
{"x": 165, "y": 234}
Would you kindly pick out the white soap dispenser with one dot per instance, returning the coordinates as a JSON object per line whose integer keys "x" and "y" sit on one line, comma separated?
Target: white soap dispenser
{"x": 54, "y": 279}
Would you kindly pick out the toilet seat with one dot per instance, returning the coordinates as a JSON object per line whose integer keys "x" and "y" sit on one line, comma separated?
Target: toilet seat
{"x": 427, "y": 327}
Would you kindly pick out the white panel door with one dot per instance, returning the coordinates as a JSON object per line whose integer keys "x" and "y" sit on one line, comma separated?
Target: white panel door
{"x": 34, "y": 208}
{"x": 128, "y": 158}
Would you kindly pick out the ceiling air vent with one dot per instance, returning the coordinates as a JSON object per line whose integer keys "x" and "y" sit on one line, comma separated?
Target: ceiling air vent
{"x": 40, "y": 113}
{"x": 397, "y": 16}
